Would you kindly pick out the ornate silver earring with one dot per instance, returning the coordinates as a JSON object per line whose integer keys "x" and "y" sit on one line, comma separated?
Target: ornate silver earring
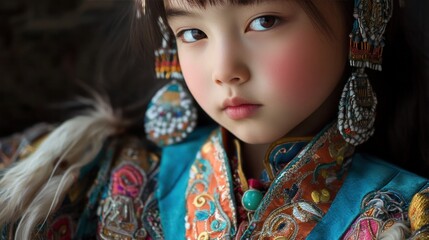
{"x": 358, "y": 102}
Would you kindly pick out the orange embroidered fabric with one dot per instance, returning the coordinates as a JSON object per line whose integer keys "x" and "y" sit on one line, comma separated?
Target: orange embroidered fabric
{"x": 297, "y": 199}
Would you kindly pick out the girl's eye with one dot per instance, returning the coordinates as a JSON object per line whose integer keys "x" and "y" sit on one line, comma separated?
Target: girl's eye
{"x": 263, "y": 23}
{"x": 191, "y": 35}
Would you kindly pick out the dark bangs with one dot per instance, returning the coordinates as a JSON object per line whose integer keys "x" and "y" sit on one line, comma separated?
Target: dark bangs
{"x": 204, "y": 3}
{"x": 149, "y": 14}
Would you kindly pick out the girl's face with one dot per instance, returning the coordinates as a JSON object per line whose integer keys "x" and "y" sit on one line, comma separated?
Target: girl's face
{"x": 260, "y": 69}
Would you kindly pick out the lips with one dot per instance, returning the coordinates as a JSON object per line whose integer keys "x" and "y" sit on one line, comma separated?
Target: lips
{"x": 237, "y": 108}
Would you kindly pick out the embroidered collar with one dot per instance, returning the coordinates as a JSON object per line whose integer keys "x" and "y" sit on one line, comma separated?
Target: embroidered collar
{"x": 278, "y": 154}
{"x": 281, "y": 152}
{"x": 299, "y": 196}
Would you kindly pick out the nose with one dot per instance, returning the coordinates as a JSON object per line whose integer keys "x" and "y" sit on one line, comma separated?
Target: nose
{"x": 229, "y": 65}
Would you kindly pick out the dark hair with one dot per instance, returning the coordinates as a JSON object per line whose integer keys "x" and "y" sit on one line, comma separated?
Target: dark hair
{"x": 402, "y": 124}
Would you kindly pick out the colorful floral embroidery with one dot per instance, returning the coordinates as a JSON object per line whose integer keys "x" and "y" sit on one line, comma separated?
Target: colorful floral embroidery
{"x": 380, "y": 211}
{"x": 281, "y": 154}
{"x": 122, "y": 209}
{"x": 304, "y": 189}
{"x": 128, "y": 181}
{"x": 280, "y": 224}
{"x": 129, "y": 209}
{"x": 211, "y": 213}
{"x": 299, "y": 196}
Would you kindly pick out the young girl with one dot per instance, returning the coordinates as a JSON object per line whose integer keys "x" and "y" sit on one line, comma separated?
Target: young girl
{"x": 275, "y": 76}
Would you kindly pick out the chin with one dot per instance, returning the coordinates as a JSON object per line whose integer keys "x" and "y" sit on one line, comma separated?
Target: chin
{"x": 257, "y": 137}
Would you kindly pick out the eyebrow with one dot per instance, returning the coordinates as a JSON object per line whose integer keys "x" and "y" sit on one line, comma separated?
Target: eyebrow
{"x": 178, "y": 12}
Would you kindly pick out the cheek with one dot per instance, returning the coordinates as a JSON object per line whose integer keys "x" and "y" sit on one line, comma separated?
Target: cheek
{"x": 303, "y": 70}
{"x": 194, "y": 78}
{"x": 289, "y": 71}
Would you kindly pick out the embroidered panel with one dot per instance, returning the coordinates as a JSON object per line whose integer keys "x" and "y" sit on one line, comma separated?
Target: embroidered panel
{"x": 303, "y": 191}
{"x": 380, "y": 211}
{"x": 294, "y": 203}
{"x": 128, "y": 209}
{"x": 209, "y": 198}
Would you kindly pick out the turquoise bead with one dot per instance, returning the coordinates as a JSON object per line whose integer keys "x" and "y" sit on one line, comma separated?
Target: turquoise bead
{"x": 251, "y": 199}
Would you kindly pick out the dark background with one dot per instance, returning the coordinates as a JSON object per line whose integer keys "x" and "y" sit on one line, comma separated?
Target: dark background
{"x": 48, "y": 48}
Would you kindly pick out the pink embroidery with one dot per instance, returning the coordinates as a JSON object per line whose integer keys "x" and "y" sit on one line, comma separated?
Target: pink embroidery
{"x": 365, "y": 229}
{"x": 121, "y": 211}
{"x": 380, "y": 210}
{"x": 127, "y": 181}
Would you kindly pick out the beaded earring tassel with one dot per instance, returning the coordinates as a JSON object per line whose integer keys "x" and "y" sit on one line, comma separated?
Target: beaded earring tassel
{"x": 171, "y": 114}
{"x": 358, "y": 102}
